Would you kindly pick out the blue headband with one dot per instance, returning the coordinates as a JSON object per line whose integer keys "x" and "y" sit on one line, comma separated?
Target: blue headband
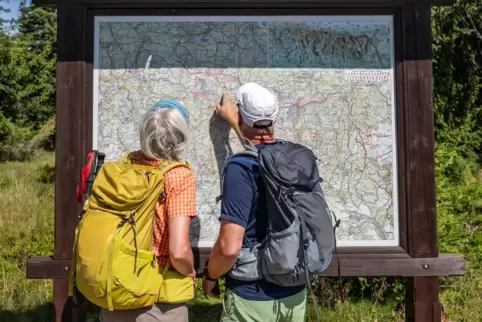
{"x": 172, "y": 104}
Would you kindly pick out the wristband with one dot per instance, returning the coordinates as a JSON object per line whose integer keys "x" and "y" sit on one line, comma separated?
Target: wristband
{"x": 206, "y": 275}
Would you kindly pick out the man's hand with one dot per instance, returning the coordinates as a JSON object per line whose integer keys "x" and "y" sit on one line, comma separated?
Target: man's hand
{"x": 228, "y": 109}
{"x": 209, "y": 288}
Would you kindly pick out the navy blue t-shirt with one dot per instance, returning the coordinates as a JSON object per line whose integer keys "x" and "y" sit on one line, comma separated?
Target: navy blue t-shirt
{"x": 243, "y": 203}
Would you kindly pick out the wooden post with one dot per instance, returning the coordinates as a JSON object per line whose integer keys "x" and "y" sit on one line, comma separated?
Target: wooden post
{"x": 422, "y": 298}
{"x": 69, "y": 140}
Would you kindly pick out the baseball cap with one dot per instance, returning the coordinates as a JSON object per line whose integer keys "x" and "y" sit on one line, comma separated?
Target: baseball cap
{"x": 256, "y": 103}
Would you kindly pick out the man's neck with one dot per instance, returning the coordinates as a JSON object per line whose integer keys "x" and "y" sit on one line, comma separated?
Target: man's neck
{"x": 259, "y": 139}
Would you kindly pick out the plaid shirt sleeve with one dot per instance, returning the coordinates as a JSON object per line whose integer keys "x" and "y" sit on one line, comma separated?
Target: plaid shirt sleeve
{"x": 181, "y": 192}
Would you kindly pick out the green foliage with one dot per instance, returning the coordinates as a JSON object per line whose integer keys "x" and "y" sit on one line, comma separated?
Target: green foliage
{"x": 462, "y": 297}
{"x": 2, "y": 21}
{"x": 27, "y": 69}
{"x": 46, "y": 174}
{"x": 14, "y": 141}
{"x": 457, "y": 70}
{"x": 459, "y": 203}
{"x": 45, "y": 137}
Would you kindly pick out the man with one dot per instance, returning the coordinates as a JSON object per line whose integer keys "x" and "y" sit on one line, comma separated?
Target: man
{"x": 252, "y": 113}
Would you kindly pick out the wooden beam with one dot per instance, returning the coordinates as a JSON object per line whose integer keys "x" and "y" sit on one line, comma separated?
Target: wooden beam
{"x": 243, "y": 3}
{"x": 445, "y": 265}
{"x": 69, "y": 137}
{"x": 45, "y": 267}
{"x": 420, "y": 160}
{"x": 61, "y": 287}
{"x": 422, "y": 298}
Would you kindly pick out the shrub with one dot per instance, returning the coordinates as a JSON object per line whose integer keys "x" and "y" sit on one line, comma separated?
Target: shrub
{"x": 46, "y": 174}
{"x": 14, "y": 141}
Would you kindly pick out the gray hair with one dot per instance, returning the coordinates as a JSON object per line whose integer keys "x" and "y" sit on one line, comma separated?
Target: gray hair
{"x": 164, "y": 134}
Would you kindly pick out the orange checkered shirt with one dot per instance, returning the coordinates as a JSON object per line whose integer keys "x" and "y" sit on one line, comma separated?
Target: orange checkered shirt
{"x": 180, "y": 191}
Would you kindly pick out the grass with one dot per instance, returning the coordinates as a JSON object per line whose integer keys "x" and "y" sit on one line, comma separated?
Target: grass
{"x": 27, "y": 228}
{"x": 462, "y": 298}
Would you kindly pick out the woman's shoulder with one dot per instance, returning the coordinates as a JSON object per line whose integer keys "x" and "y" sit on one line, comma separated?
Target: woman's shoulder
{"x": 180, "y": 173}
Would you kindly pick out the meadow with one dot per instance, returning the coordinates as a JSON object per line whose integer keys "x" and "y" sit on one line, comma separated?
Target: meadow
{"x": 27, "y": 228}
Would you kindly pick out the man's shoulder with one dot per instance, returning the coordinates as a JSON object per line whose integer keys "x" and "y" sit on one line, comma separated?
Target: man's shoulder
{"x": 241, "y": 163}
{"x": 240, "y": 171}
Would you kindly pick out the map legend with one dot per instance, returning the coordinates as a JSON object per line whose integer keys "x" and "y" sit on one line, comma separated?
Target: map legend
{"x": 368, "y": 75}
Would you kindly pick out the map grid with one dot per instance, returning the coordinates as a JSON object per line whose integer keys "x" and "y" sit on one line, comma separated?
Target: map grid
{"x": 333, "y": 76}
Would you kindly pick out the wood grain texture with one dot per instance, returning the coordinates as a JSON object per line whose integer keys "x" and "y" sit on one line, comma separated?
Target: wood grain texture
{"x": 369, "y": 265}
{"x": 401, "y": 128}
{"x": 68, "y": 116}
{"x": 60, "y": 297}
{"x": 419, "y": 136}
{"x": 69, "y": 139}
{"x": 246, "y": 3}
{"x": 45, "y": 267}
{"x": 422, "y": 298}
{"x": 120, "y": 10}
{"x": 87, "y": 81}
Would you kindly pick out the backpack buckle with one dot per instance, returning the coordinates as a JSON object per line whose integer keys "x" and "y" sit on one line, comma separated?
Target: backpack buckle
{"x": 163, "y": 195}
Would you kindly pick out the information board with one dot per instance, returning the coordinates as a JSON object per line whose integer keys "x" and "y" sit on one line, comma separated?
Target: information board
{"x": 334, "y": 78}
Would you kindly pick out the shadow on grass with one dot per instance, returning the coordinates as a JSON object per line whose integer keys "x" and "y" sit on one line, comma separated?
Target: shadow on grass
{"x": 44, "y": 313}
{"x": 205, "y": 312}
{"x": 198, "y": 312}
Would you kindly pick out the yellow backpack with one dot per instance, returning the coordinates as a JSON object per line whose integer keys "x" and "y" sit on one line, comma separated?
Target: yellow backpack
{"x": 113, "y": 263}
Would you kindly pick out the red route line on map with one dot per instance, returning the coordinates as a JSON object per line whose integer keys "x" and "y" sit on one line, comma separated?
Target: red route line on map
{"x": 213, "y": 74}
{"x": 311, "y": 102}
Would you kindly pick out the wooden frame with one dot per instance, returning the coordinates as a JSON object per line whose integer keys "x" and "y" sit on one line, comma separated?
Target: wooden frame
{"x": 416, "y": 258}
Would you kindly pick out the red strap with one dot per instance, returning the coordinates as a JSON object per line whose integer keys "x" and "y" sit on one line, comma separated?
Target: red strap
{"x": 85, "y": 174}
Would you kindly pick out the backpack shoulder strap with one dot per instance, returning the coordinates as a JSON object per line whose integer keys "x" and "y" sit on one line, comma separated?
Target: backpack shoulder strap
{"x": 168, "y": 165}
{"x": 250, "y": 153}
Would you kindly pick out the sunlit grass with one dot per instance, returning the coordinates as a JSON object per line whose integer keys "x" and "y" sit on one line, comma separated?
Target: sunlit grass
{"x": 27, "y": 228}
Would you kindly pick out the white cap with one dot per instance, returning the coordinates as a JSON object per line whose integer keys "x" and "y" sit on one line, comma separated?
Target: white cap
{"x": 256, "y": 103}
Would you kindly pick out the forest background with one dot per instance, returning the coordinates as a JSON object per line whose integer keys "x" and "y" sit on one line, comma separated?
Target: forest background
{"x": 27, "y": 147}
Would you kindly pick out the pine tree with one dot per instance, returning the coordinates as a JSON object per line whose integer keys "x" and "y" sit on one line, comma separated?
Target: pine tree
{"x": 29, "y": 68}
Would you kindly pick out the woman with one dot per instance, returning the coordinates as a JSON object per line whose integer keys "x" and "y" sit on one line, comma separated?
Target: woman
{"x": 164, "y": 134}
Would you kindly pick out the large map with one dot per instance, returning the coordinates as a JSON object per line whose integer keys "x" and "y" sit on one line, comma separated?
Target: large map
{"x": 333, "y": 77}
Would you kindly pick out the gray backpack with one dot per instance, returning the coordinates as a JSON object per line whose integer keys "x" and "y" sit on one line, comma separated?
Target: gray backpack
{"x": 300, "y": 235}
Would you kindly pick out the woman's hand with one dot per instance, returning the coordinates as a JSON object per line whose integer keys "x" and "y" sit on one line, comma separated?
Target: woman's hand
{"x": 193, "y": 274}
{"x": 228, "y": 109}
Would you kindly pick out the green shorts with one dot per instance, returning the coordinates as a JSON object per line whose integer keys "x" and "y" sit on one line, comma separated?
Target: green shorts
{"x": 289, "y": 309}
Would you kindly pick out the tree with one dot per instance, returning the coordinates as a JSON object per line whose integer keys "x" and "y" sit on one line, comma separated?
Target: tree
{"x": 457, "y": 69}
{"x": 3, "y": 33}
{"x": 28, "y": 69}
